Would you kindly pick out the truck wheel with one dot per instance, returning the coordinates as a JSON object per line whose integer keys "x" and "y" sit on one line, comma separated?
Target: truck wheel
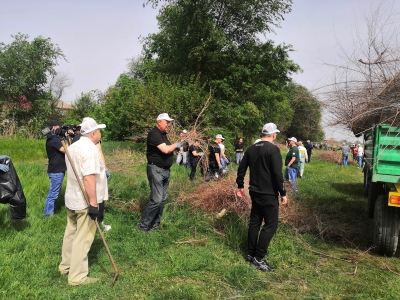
{"x": 386, "y": 227}
{"x": 374, "y": 190}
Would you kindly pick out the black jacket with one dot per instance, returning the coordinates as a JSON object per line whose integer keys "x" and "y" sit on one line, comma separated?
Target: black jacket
{"x": 265, "y": 162}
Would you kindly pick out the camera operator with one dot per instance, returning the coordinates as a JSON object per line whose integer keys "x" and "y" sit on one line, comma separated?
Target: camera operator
{"x": 77, "y": 135}
{"x": 56, "y": 168}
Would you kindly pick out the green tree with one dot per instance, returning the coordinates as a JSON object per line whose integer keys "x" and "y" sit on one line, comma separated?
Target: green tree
{"x": 131, "y": 105}
{"x": 306, "y": 124}
{"x": 221, "y": 50}
{"x": 84, "y": 106}
{"x": 24, "y": 70}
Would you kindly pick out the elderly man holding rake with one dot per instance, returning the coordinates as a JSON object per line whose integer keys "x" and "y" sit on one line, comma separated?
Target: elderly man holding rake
{"x": 86, "y": 161}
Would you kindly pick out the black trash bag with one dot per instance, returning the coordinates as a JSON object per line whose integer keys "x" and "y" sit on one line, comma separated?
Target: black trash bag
{"x": 11, "y": 191}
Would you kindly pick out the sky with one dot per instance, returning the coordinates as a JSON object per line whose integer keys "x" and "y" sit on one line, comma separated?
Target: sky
{"x": 98, "y": 37}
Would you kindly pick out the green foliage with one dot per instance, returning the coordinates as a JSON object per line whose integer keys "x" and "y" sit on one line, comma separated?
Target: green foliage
{"x": 306, "y": 124}
{"x": 24, "y": 70}
{"x": 131, "y": 106}
{"x": 221, "y": 50}
{"x": 84, "y": 106}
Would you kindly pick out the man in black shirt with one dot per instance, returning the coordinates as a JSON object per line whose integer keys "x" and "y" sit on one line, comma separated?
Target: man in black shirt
{"x": 266, "y": 182}
{"x": 56, "y": 168}
{"x": 195, "y": 154}
{"x": 159, "y": 161}
{"x": 214, "y": 158}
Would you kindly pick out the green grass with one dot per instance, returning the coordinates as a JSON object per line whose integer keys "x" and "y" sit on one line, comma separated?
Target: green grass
{"x": 155, "y": 266}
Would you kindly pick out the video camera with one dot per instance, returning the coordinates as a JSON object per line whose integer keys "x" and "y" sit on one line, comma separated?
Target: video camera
{"x": 62, "y": 131}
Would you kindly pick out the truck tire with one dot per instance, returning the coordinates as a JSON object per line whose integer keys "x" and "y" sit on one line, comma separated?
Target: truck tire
{"x": 374, "y": 190}
{"x": 386, "y": 227}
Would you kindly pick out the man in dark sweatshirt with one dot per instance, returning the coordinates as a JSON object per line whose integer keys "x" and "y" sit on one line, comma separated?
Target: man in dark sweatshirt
{"x": 266, "y": 184}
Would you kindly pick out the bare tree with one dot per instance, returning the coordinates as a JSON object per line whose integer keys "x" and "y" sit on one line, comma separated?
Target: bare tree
{"x": 366, "y": 86}
{"x": 58, "y": 83}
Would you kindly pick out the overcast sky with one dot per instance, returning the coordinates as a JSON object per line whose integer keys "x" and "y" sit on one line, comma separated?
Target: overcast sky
{"x": 98, "y": 37}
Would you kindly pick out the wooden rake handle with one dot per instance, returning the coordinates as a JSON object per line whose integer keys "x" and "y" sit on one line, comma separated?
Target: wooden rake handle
{"x": 88, "y": 203}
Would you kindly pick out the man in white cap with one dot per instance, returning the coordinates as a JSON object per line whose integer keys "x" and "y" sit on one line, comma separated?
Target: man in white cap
{"x": 81, "y": 228}
{"x": 266, "y": 184}
{"x": 159, "y": 161}
{"x": 292, "y": 163}
{"x": 214, "y": 158}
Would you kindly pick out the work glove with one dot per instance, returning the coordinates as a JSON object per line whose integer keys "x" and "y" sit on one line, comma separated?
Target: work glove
{"x": 93, "y": 212}
{"x": 100, "y": 216}
{"x": 178, "y": 145}
{"x": 4, "y": 168}
{"x": 4, "y": 157}
{"x": 108, "y": 175}
{"x": 220, "y": 166}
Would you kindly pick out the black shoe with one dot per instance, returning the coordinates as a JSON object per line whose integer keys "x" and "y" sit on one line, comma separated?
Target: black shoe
{"x": 144, "y": 229}
{"x": 249, "y": 258}
{"x": 262, "y": 265}
{"x": 157, "y": 227}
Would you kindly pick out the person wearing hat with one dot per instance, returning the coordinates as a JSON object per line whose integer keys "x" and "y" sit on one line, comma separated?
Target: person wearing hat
{"x": 81, "y": 228}
{"x": 224, "y": 160}
{"x": 100, "y": 217}
{"x": 215, "y": 166}
{"x": 159, "y": 161}
{"x": 292, "y": 163}
{"x": 56, "y": 167}
{"x": 266, "y": 184}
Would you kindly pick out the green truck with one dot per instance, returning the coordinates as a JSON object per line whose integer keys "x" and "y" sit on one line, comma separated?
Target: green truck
{"x": 382, "y": 185}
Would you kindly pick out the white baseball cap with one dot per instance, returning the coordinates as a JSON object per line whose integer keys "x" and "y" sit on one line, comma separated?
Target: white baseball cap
{"x": 293, "y": 139}
{"x": 269, "y": 128}
{"x": 184, "y": 131}
{"x": 164, "y": 116}
{"x": 89, "y": 124}
{"x": 219, "y": 136}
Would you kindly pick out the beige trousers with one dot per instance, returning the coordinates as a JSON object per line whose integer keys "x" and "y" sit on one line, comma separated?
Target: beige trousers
{"x": 78, "y": 238}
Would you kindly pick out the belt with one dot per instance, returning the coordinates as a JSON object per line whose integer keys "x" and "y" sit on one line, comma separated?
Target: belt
{"x": 164, "y": 168}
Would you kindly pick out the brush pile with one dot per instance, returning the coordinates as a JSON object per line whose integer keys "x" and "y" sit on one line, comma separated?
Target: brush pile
{"x": 220, "y": 194}
{"x": 384, "y": 108}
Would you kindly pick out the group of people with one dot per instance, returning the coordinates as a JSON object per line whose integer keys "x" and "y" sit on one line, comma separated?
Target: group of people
{"x": 190, "y": 154}
{"x": 87, "y": 174}
{"x": 357, "y": 152}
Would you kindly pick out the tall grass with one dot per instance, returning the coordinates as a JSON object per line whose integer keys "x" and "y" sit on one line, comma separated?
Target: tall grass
{"x": 197, "y": 256}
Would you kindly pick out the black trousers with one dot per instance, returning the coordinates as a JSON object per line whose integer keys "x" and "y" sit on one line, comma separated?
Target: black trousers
{"x": 193, "y": 164}
{"x": 264, "y": 208}
{"x": 309, "y": 155}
